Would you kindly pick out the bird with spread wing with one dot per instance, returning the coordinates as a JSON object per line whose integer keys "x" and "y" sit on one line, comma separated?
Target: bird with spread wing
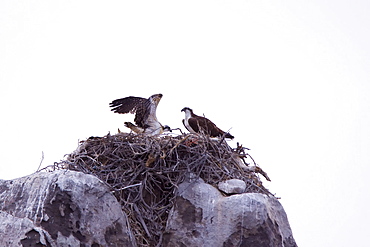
{"x": 145, "y": 113}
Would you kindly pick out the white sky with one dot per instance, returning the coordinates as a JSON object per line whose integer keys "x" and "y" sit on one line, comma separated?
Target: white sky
{"x": 290, "y": 78}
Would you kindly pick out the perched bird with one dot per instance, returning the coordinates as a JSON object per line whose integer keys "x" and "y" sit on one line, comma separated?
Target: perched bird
{"x": 198, "y": 124}
{"x": 145, "y": 113}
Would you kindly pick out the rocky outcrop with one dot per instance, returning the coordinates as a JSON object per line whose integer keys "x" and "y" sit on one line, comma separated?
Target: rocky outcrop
{"x": 202, "y": 216}
{"x": 67, "y": 208}
{"x": 62, "y": 208}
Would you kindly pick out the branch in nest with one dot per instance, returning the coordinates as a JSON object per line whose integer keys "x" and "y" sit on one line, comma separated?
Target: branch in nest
{"x": 256, "y": 169}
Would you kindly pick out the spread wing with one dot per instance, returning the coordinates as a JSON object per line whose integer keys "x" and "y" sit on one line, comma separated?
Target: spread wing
{"x": 137, "y": 105}
{"x": 142, "y": 114}
{"x": 126, "y": 105}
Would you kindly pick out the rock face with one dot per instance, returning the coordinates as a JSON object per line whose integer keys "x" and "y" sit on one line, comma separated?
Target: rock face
{"x": 62, "y": 208}
{"x": 202, "y": 216}
{"x": 66, "y": 208}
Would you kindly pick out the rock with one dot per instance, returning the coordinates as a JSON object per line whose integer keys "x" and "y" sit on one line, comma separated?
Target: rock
{"x": 67, "y": 208}
{"x": 62, "y": 208}
{"x": 203, "y": 216}
{"x": 232, "y": 186}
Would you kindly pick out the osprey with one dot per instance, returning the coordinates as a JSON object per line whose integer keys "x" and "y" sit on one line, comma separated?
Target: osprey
{"x": 145, "y": 113}
{"x": 198, "y": 124}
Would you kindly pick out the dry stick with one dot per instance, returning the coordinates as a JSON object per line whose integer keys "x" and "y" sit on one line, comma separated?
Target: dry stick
{"x": 130, "y": 186}
{"x": 42, "y": 159}
{"x": 142, "y": 220}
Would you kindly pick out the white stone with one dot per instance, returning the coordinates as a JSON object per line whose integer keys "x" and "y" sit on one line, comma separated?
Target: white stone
{"x": 232, "y": 186}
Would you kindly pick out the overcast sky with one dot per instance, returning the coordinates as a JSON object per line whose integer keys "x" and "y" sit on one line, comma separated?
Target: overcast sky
{"x": 290, "y": 79}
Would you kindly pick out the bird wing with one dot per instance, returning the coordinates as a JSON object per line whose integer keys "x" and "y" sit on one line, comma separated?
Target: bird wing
{"x": 215, "y": 131}
{"x": 194, "y": 124}
{"x": 126, "y": 105}
{"x": 142, "y": 114}
{"x": 207, "y": 126}
{"x": 184, "y": 123}
{"x": 137, "y": 105}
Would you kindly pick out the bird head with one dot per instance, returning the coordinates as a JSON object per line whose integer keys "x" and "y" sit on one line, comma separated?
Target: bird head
{"x": 167, "y": 128}
{"x": 187, "y": 109}
{"x": 156, "y": 98}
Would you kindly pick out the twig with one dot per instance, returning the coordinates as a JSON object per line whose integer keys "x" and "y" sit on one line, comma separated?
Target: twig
{"x": 42, "y": 159}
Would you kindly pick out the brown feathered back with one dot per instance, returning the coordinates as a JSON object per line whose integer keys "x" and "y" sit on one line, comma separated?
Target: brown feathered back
{"x": 207, "y": 126}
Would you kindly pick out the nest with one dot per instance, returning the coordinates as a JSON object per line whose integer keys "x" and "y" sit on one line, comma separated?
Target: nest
{"x": 144, "y": 172}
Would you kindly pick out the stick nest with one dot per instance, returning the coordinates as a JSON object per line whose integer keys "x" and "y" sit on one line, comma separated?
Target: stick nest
{"x": 143, "y": 172}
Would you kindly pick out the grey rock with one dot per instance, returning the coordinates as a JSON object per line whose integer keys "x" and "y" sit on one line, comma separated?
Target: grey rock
{"x": 62, "y": 208}
{"x": 232, "y": 186}
{"x": 66, "y": 208}
{"x": 202, "y": 216}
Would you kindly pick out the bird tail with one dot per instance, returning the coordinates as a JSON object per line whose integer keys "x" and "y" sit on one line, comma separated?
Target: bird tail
{"x": 228, "y": 135}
